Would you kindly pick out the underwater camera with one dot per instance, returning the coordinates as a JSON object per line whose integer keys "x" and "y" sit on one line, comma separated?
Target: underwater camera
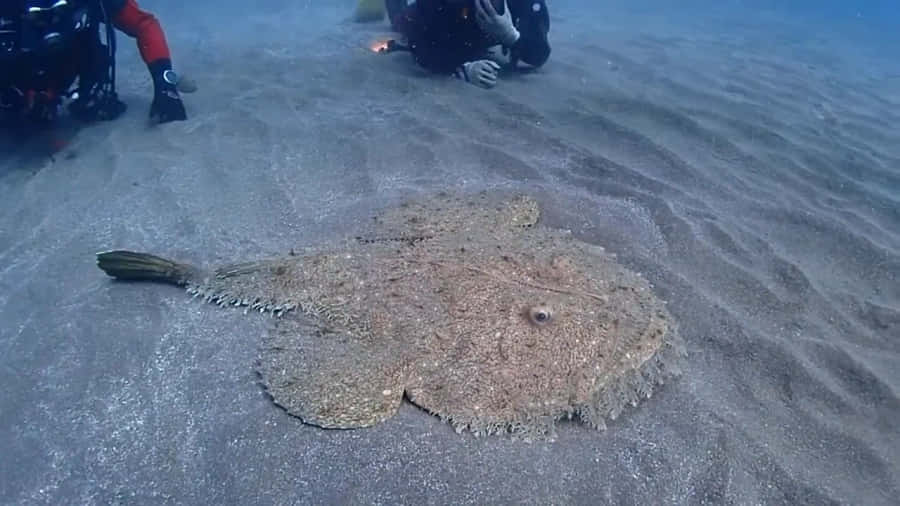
{"x": 47, "y": 25}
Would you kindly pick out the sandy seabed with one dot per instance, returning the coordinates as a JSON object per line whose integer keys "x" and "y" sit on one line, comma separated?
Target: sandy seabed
{"x": 750, "y": 170}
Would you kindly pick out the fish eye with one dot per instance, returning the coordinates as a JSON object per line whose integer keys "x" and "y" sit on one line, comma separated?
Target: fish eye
{"x": 540, "y": 314}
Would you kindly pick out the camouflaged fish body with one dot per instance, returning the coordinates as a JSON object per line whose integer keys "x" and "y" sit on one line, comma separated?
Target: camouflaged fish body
{"x": 474, "y": 313}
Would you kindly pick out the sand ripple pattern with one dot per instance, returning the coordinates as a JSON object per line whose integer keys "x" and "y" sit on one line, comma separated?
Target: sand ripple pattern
{"x": 752, "y": 176}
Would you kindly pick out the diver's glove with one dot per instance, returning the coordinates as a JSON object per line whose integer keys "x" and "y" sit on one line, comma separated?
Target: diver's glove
{"x": 479, "y": 72}
{"x": 95, "y": 103}
{"x": 167, "y": 105}
{"x": 500, "y": 27}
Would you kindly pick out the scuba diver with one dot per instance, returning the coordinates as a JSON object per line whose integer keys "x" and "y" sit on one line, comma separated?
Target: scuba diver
{"x": 455, "y": 36}
{"x": 48, "y": 45}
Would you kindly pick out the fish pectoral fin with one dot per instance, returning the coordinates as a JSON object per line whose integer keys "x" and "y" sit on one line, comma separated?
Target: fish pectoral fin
{"x": 334, "y": 381}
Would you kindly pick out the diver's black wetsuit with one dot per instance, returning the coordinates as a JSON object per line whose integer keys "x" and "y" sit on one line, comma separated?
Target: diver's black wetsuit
{"x": 37, "y": 67}
{"x": 443, "y": 34}
{"x": 35, "y": 72}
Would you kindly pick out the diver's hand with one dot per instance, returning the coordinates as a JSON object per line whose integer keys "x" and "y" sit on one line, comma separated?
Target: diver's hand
{"x": 495, "y": 25}
{"x": 167, "y": 106}
{"x": 480, "y": 72}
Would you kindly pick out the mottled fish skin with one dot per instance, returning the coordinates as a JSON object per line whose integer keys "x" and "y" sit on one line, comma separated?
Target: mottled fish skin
{"x": 465, "y": 304}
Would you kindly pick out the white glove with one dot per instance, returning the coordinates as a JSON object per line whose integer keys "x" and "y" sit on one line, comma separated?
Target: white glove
{"x": 480, "y": 72}
{"x": 495, "y": 25}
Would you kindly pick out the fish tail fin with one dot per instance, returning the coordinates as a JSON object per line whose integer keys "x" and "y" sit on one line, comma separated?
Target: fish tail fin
{"x": 369, "y": 11}
{"x": 135, "y": 266}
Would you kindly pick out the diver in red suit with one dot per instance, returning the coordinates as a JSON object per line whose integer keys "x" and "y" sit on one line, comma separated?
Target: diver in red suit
{"x": 52, "y": 49}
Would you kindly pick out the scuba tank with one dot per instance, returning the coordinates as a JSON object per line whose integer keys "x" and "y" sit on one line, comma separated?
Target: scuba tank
{"x": 45, "y": 46}
{"x": 48, "y": 30}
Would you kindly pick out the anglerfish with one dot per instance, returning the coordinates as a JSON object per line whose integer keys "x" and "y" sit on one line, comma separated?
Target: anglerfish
{"x": 466, "y": 306}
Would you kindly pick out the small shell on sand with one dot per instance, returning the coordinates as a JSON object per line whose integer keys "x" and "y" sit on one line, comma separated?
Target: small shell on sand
{"x": 186, "y": 84}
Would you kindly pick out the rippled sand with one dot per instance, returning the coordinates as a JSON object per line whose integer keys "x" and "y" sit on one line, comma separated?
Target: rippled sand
{"x": 753, "y": 176}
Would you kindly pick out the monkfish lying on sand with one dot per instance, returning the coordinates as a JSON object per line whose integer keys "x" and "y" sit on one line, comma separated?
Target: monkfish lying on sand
{"x": 466, "y": 305}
